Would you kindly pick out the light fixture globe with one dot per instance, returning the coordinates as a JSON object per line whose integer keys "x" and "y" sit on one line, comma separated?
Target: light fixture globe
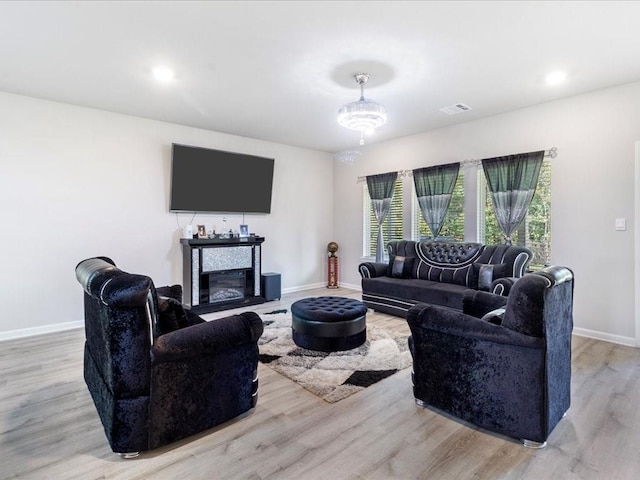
{"x": 365, "y": 115}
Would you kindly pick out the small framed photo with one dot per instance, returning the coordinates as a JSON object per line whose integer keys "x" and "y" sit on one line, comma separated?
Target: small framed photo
{"x": 244, "y": 230}
{"x": 202, "y": 231}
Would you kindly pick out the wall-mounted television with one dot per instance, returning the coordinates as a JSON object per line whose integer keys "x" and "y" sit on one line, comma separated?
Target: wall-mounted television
{"x": 215, "y": 181}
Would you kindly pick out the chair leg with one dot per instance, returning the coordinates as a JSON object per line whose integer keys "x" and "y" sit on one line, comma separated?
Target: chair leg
{"x": 532, "y": 444}
{"x": 129, "y": 455}
{"x": 420, "y": 403}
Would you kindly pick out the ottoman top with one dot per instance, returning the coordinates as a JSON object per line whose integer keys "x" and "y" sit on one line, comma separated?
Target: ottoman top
{"x": 328, "y": 309}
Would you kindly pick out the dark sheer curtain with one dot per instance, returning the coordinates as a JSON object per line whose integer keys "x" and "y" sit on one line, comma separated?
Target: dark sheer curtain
{"x": 434, "y": 187}
{"x": 512, "y": 182}
{"x": 381, "y": 192}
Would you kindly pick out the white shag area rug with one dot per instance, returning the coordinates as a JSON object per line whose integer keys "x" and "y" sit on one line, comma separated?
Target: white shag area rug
{"x": 336, "y": 375}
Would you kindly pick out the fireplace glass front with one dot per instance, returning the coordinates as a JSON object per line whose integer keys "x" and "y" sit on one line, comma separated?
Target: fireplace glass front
{"x": 227, "y": 286}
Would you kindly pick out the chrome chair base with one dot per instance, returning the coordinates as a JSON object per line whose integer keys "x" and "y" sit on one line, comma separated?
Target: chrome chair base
{"x": 128, "y": 455}
{"x": 532, "y": 444}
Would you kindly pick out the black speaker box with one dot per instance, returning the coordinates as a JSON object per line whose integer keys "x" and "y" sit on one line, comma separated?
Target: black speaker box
{"x": 270, "y": 284}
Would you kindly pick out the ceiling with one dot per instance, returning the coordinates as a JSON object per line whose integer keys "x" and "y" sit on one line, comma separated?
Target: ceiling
{"x": 278, "y": 71}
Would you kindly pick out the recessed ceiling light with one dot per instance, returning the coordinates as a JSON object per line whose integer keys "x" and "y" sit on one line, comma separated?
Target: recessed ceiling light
{"x": 556, "y": 78}
{"x": 163, "y": 74}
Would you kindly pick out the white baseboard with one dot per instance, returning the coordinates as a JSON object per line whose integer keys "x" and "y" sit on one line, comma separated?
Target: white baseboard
{"x": 303, "y": 288}
{"x": 351, "y": 286}
{"x": 607, "y": 337}
{"x": 30, "y": 332}
{"x": 319, "y": 285}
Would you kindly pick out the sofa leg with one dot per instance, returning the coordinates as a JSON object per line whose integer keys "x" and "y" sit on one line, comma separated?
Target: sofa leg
{"x": 532, "y": 444}
{"x": 128, "y": 455}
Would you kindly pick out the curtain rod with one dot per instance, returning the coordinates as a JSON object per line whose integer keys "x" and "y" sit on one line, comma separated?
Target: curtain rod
{"x": 551, "y": 153}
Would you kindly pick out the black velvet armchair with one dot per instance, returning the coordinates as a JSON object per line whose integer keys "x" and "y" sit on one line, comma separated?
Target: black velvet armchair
{"x": 508, "y": 372}
{"x": 157, "y": 372}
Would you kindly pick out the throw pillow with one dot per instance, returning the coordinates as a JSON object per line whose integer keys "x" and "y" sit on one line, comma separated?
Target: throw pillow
{"x": 173, "y": 291}
{"x": 171, "y": 315}
{"x": 400, "y": 267}
{"x": 494, "y": 316}
{"x": 487, "y": 273}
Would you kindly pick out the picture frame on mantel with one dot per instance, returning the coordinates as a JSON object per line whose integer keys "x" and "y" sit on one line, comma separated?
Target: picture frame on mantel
{"x": 244, "y": 231}
{"x": 202, "y": 231}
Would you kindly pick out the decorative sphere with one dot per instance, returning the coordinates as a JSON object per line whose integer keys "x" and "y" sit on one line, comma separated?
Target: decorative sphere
{"x": 332, "y": 247}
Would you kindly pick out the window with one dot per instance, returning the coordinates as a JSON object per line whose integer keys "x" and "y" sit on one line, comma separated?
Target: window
{"x": 392, "y": 225}
{"x": 454, "y": 221}
{"x": 534, "y": 232}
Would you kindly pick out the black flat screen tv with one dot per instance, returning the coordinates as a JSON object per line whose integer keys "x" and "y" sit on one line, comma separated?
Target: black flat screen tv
{"x": 214, "y": 181}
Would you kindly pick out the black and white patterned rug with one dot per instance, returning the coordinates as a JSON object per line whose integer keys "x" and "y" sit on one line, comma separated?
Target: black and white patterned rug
{"x": 336, "y": 375}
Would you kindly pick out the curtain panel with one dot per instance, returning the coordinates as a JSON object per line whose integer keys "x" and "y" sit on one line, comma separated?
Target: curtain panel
{"x": 434, "y": 188}
{"x": 381, "y": 192}
{"x": 512, "y": 182}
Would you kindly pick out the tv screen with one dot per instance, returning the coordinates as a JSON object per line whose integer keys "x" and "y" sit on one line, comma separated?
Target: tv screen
{"x": 205, "y": 180}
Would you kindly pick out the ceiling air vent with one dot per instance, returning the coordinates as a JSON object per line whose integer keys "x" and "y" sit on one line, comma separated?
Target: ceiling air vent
{"x": 457, "y": 108}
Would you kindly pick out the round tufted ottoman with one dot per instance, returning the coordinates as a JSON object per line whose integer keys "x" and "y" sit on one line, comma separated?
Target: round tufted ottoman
{"x": 328, "y": 324}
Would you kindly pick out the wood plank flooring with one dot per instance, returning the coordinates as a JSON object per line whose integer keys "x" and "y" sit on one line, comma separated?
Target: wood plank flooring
{"x": 49, "y": 428}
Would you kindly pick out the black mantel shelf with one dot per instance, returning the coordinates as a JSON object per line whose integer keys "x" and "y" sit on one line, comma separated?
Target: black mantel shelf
{"x": 197, "y": 242}
{"x": 211, "y": 264}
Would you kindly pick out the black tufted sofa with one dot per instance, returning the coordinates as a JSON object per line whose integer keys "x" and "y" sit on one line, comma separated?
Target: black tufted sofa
{"x": 439, "y": 273}
{"x": 157, "y": 372}
{"x": 506, "y": 370}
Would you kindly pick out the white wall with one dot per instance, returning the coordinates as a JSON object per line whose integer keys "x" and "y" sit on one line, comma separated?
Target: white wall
{"x": 77, "y": 182}
{"x": 592, "y": 185}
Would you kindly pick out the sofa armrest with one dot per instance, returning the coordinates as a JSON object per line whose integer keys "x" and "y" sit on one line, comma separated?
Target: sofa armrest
{"x": 502, "y": 286}
{"x": 423, "y": 318}
{"x": 372, "y": 269}
{"x": 478, "y": 303}
{"x": 207, "y": 338}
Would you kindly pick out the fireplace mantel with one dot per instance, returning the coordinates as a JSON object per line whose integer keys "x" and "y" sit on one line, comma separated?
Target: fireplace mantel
{"x": 207, "y": 262}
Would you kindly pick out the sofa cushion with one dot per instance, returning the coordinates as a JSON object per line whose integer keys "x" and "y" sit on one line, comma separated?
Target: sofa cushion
{"x": 448, "y": 262}
{"x": 465, "y": 276}
{"x": 448, "y": 254}
{"x": 418, "y": 291}
{"x": 516, "y": 257}
{"x": 400, "y": 267}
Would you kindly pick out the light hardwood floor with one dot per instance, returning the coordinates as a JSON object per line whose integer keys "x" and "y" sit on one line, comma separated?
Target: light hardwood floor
{"x": 50, "y": 429}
